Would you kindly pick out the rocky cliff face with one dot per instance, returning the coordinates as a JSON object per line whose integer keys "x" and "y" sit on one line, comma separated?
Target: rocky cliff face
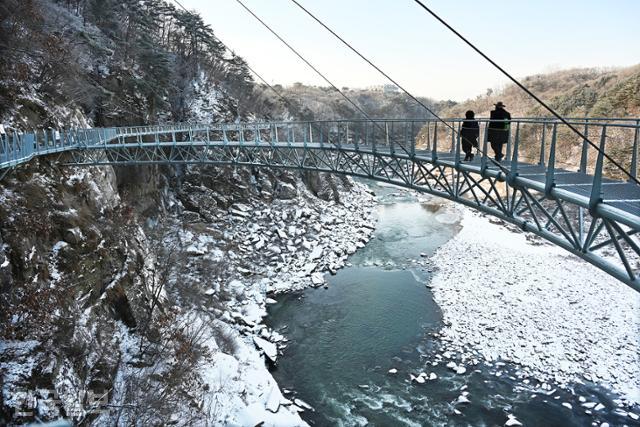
{"x": 143, "y": 289}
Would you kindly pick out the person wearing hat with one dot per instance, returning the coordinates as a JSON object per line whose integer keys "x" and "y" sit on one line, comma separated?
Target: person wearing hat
{"x": 469, "y": 132}
{"x": 498, "y": 133}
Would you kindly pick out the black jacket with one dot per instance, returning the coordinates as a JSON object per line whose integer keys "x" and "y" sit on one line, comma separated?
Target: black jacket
{"x": 499, "y": 126}
{"x": 470, "y": 132}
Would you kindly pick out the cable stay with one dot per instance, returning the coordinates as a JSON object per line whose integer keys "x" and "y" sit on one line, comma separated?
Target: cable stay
{"x": 280, "y": 95}
{"x": 529, "y": 92}
{"x": 349, "y": 100}
{"x": 357, "y": 52}
{"x": 372, "y": 64}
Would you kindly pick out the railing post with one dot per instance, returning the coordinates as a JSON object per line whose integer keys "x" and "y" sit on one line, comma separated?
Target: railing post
{"x": 304, "y": 136}
{"x": 513, "y": 172}
{"x": 347, "y": 133}
{"x": 485, "y": 143}
{"x": 373, "y": 138}
{"x": 389, "y": 139}
{"x": 596, "y": 187}
{"x": 356, "y": 142}
{"x": 86, "y": 139}
{"x": 434, "y": 149}
{"x": 453, "y": 138}
{"x": 413, "y": 141}
{"x": 508, "y": 150}
{"x": 544, "y": 138}
{"x": 550, "y": 180}
{"x": 14, "y": 145}
{"x": 457, "y": 148}
{"x": 585, "y": 146}
{"x": 634, "y": 155}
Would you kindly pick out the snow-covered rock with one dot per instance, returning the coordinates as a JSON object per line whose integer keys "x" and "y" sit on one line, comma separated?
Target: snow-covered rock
{"x": 268, "y": 348}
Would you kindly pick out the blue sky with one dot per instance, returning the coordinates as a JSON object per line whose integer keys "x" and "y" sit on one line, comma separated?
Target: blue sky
{"x": 525, "y": 37}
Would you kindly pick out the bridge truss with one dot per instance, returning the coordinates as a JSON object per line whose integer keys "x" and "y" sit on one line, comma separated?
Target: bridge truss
{"x": 584, "y": 208}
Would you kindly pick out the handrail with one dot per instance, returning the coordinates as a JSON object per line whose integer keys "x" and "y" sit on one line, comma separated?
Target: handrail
{"x": 18, "y": 147}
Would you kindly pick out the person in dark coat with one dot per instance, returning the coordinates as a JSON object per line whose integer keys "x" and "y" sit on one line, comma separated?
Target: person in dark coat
{"x": 498, "y": 133}
{"x": 469, "y": 133}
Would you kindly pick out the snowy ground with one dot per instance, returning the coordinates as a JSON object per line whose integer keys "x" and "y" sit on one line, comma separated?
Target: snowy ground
{"x": 537, "y": 305}
{"x": 278, "y": 247}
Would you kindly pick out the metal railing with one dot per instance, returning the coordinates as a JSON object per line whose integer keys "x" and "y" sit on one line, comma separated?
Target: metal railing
{"x": 533, "y": 140}
{"x": 550, "y": 182}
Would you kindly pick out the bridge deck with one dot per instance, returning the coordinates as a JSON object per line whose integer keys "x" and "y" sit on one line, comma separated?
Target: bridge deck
{"x": 619, "y": 194}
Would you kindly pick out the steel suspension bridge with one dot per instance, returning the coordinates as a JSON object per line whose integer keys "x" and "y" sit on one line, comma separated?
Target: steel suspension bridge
{"x": 591, "y": 208}
{"x": 586, "y": 208}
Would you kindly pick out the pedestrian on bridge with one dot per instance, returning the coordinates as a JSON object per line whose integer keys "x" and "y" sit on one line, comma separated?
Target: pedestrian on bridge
{"x": 469, "y": 133}
{"x": 498, "y": 133}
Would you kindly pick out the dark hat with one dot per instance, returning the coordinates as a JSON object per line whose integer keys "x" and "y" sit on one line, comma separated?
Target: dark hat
{"x": 500, "y": 104}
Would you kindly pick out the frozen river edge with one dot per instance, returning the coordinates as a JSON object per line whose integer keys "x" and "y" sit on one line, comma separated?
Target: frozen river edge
{"x": 507, "y": 296}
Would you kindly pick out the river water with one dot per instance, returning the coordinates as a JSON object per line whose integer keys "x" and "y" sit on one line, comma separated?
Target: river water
{"x": 377, "y": 314}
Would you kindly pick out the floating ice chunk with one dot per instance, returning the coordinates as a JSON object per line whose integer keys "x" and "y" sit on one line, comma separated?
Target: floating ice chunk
{"x": 512, "y": 421}
{"x": 393, "y": 371}
{"x": 462, "y": 399}
{"x": 301, "y": 403}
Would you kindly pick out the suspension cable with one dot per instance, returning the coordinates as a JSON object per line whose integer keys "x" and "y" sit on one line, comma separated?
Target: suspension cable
{"x": 526, "y": 90}
{"x": 495, "y": 162}
{"x": 357, "y": 107}
{"x": 371, "y": 63}
{"x": 278, "y": 93}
